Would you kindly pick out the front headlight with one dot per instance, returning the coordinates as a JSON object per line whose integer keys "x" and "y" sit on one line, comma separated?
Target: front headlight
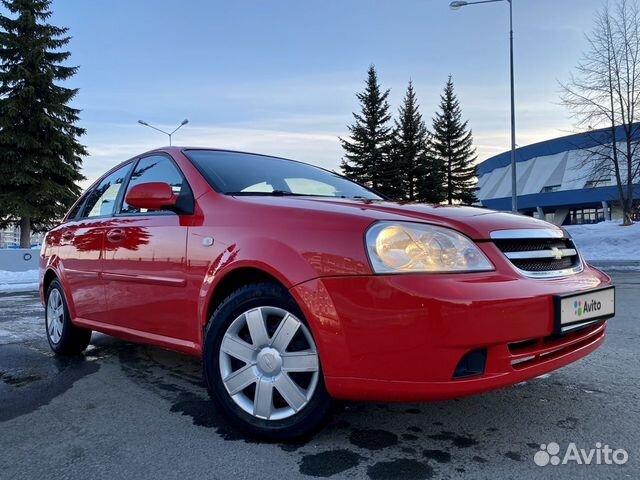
{"x": 399, "y": 247}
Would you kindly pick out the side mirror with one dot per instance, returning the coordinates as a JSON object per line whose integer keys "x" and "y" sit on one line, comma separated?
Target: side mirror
{"x": 152, "y": 196}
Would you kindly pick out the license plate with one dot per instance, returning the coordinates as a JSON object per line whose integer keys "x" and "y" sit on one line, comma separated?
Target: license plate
{"x": 578, "y": 310}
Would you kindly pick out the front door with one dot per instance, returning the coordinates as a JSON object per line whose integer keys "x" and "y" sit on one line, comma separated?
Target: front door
{"x": 144, "y": 260}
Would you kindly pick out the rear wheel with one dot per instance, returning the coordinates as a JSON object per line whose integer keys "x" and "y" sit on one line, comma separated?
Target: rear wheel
{"x": 262, "y": 367}
{"x": 63, "y": 336}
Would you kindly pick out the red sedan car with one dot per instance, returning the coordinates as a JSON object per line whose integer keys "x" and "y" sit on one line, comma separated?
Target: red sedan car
{"x": 297, "y": 286}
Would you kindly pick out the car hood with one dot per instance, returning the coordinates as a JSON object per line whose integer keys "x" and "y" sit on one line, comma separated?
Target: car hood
{"x": 477, "y": 223}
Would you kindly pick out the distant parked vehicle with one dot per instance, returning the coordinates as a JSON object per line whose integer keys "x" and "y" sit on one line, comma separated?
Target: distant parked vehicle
{"x": 297, "y": 286}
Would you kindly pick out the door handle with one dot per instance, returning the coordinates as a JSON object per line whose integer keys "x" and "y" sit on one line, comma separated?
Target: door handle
{"x": 67, "y": 236}
{"x": 115, "y": 235}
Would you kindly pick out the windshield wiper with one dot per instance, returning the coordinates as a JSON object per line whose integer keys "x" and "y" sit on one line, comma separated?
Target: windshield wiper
{"x": 357, "y": 197}
{"x": 285, "y": 193}
{"x": 274, "y": 193}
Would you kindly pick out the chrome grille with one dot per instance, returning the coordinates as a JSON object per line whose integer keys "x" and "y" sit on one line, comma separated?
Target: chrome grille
{"x": 539, "y": 252}
{"x": 544, "y": 265}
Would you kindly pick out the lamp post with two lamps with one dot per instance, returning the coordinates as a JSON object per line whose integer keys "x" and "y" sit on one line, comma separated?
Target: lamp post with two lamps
{"x": 169, "y": 134}
{"x": 514, "y": 192}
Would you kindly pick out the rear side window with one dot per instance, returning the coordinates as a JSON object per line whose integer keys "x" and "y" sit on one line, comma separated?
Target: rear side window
{"x": 156, "y": 168}
{"x": 102, "y": 199}
{"x": 75, "y": 211}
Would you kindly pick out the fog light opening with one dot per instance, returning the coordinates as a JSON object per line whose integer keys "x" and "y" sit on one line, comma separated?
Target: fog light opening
{"x": 471, "y": 365}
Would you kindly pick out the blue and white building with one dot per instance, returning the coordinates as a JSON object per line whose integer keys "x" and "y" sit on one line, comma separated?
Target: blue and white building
{"x": 553, "y": 181}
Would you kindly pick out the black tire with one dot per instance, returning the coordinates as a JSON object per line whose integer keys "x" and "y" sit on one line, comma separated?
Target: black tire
{"x": 72, "y": 340}
{"x": 300, "y": 425}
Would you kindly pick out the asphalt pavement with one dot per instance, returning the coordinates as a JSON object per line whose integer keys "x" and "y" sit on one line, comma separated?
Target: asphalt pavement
{"x": 137, "y": 412}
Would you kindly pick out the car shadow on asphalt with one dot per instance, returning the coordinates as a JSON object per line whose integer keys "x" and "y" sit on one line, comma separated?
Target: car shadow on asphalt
{"x": 474, "y": 434}
{"x": 411, "y": 440}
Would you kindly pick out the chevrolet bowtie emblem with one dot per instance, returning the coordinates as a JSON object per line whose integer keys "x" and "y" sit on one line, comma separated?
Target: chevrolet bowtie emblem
{"x": 557, "y": 253}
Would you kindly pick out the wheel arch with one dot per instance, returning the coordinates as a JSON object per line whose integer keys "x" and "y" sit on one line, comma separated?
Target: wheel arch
{"x": 247, "y": 274}
{"x": 49, "y": 276}
{"x": 231, "y": 281}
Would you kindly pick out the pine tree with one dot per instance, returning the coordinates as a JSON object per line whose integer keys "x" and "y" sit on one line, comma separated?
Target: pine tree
{"x": 417, "y": 174}
{"x": 366, "y": 158}
{"x": 40, "y": 156}
{"x": 452, "y": 144}
{"x": 430, "y": 186}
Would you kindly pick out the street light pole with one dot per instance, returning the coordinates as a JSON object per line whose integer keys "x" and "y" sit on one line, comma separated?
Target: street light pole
{"x": 169, "y": 134}
{"x": 514, "y": 179}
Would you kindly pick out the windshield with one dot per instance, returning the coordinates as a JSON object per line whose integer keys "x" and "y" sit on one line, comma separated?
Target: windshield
{"x": 235, "y": 173}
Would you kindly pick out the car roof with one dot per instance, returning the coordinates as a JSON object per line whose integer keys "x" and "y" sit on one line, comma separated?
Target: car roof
{"x": 182, "y": 149}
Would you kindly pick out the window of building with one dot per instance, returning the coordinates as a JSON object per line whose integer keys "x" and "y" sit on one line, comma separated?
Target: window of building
{"x": 582, "y": 216}
{"x": 550, "y": 188}
{"x": 597, "y": 183}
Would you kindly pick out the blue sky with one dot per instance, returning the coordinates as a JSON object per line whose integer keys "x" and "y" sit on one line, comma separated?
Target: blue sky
{"x": 279, "y": 76}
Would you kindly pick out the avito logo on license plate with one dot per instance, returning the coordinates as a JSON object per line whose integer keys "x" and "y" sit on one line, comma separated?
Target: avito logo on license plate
{"x": 581, "y": 309}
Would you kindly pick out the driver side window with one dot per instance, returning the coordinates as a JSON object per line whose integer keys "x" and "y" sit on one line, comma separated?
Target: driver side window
{"x": 156, "y": 168}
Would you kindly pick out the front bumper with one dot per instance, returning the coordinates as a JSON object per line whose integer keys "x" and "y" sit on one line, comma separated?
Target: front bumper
{"x": 401, "y": 337}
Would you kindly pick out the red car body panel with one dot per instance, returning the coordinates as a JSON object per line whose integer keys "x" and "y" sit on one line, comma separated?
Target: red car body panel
{"x": 403, "y": 335}
{"x": 379, "y": 337}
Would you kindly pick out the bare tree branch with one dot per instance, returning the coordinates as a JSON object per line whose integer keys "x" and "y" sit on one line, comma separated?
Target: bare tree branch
{"x": 603, "y": 93}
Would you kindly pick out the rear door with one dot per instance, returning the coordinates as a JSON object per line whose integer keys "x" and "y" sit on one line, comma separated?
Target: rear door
{"x": 145, "y": 259}
{"x": 81, "y": 244}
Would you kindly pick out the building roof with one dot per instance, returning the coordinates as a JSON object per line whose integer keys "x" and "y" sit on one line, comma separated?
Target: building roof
{"x": 564, "y": 198}
{"x": 576, "y": 141}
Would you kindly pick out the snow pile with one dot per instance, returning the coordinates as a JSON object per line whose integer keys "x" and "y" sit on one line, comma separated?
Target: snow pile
{"x": 607, "y": 241}
{"x": 18, "y": 281}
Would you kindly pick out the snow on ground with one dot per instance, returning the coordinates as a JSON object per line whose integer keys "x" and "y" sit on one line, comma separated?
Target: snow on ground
{"x": 18, "y": 281}
{"x": 608, "y": 242}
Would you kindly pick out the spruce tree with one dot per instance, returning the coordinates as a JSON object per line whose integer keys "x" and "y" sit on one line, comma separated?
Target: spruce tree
{"x": 366, "y": 158}
{"x": 40, "y": 156}
{"x": 418, "y": 177}
{"x": 452, "y": 145}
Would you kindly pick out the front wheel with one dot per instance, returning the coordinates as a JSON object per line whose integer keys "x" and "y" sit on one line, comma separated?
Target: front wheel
{"x": 262, "y": 367}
